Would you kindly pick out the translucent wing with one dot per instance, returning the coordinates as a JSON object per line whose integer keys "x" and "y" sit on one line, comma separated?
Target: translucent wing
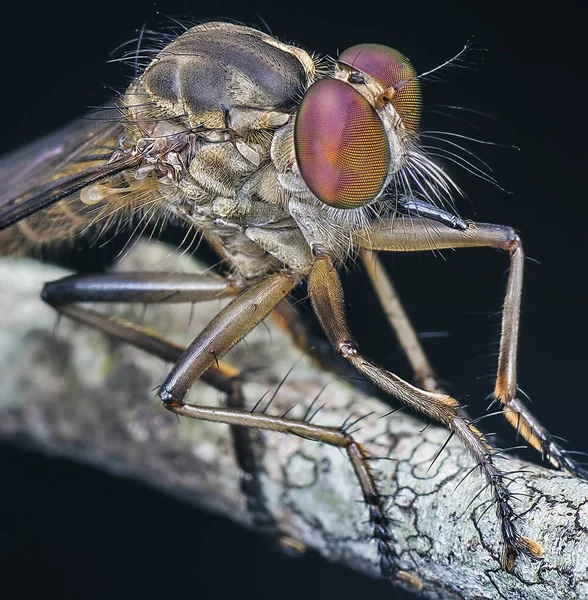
{"x": 38, "y": 182}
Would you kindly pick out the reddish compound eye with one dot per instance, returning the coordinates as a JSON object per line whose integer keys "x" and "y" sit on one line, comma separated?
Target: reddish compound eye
{"x": 341, "y": 145}
{"x": 393, "y": 70}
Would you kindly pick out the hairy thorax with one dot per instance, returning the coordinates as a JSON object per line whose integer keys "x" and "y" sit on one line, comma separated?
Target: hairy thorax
{"x": 226, "y": 106}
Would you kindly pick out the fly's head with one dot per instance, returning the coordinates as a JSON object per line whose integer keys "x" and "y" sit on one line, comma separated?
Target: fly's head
{"x": 354, "y": 129}
{"x": 355, "y": 145}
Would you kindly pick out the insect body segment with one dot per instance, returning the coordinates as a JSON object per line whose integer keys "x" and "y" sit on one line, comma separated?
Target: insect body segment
{"x": 286, "y": 167}
{"x": 217, "y": 67}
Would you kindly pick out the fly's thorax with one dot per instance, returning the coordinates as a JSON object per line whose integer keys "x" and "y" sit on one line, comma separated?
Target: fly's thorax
{"x": 216, "y": 67}
{"x": 240, "y": 207}
{"x": 229, "y": 89}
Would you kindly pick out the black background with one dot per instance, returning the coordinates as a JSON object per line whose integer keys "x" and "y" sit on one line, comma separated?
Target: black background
{"x": 82, "y": 533}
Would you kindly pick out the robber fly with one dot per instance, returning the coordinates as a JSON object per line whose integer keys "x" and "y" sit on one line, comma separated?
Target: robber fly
{"x": 288, "y": 164}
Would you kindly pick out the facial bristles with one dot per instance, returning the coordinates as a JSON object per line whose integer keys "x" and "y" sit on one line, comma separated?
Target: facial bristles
{"x": 422, "y": 177}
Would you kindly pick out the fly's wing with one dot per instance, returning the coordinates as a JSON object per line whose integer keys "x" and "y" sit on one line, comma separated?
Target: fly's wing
{"x": 37, "y": 163}
{"x": 40, "y": 183}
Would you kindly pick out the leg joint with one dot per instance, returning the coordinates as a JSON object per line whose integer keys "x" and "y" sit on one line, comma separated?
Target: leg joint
{"x": 513, "y": 241}
{"x": 346, "y": 348}
{"x": 170, "y": 401}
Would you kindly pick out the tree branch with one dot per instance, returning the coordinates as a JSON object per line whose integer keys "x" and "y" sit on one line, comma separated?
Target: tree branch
{"x": 91, "y": 398}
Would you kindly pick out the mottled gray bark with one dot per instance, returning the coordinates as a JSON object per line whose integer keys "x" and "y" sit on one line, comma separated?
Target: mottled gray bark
{"x": 91, "y": 398}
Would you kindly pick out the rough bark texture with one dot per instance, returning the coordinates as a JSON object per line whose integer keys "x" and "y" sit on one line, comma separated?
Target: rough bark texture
{"x": 91, "y": 398}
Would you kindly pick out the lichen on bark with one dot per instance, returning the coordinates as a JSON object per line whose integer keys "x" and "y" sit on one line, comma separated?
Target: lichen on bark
{"x": 91, "y": 398}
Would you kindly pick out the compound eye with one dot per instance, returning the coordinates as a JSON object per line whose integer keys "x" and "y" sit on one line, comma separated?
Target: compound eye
{"x": 392, "y": 70}
{"x": 341, "y": 145}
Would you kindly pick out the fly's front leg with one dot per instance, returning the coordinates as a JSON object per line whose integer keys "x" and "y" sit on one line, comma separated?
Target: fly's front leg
{"x": 407, "y": 337}
{"x": 327, "y": 298}
{"x": 422, "y": 235}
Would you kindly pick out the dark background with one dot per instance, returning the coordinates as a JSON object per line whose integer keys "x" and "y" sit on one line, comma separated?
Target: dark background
{"x": 81, "y": 532}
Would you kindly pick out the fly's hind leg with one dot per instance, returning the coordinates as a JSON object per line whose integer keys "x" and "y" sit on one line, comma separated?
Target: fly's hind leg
{"x": 200, "y": 360}
{"x": 422, "y": 235}
{"x": 332, "y": 436}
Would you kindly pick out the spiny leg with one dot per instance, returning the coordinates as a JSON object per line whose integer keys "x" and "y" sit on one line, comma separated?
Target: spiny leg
{"x": 424, "y": 374}
{"x": 358, "y": 456}
{"x": 421, "y": 235}
{"x": 159, "y": 288}
{"x": 326, "y": 296}
{"x": 224, "y": 379}
{"x": 288, "y": 319}
{"x": 229, "y": 326}
{"x": 239, "y": 419}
